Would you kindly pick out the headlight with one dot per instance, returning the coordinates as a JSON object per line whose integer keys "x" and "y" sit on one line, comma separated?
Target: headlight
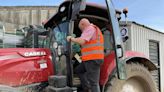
{"x": 62, "y": 9}
{"x": 55, "y": 45}
{"x": 59, "y": 50}
{"x": 57, "y": 59}
{"x": 50, "y": 57}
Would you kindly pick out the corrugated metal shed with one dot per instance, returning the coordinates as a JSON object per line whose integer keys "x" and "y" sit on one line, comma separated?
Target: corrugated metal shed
{"x": 150, "y": 42}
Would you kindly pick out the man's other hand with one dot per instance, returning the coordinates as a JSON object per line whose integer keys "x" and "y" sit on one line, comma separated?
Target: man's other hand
{"x": 69, "y": 38}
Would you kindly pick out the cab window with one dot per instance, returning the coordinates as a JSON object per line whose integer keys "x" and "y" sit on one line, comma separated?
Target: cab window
{"x": 108, "y": 43}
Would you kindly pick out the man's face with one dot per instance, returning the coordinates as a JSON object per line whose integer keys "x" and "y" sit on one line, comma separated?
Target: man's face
{"x": 81, "y": 26}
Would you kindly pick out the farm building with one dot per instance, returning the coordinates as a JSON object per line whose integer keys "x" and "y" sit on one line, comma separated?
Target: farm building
{"x": 150, "y": 42}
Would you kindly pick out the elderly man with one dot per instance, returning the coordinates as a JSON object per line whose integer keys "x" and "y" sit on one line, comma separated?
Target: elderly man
{"x": 92, "y": 51}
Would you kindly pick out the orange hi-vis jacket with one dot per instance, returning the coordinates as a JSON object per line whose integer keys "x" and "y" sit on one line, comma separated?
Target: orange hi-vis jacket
{"x": 93, "y": 49}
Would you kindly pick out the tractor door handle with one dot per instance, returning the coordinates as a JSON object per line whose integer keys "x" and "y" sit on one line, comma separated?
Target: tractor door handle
{"x": 119, "y": 46}
{"x": 119, "y": 50}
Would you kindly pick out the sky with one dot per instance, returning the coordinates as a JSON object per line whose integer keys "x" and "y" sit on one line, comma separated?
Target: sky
{"x": 147, "y": 12}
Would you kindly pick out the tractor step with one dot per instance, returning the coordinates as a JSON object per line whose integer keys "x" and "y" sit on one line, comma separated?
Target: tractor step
{"x": 53, "y": 89}
{"x": 57, "y": 81}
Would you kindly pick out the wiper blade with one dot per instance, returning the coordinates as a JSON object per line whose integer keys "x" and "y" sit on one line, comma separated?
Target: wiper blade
{"x": 58, "y": 27}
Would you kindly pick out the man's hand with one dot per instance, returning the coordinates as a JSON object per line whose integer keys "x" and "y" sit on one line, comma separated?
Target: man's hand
{"x": 69, "y": 38}
{"x": 76, "y": 40}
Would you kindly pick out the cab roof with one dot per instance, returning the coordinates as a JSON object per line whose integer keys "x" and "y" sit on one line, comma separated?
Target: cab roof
{"x": 91, "y": 10}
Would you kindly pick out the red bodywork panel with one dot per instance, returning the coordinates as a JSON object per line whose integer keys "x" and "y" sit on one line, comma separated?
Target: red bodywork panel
{"x": 110, "y": 64}
{"x": 17, "y": 68}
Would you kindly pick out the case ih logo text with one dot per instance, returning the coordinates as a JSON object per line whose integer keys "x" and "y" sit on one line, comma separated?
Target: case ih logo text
{"x": 40, "y": 53}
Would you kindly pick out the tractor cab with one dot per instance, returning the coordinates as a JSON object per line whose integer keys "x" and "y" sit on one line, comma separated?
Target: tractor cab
{"x": 47, "y": 62}
{"x": 66, "y": 55}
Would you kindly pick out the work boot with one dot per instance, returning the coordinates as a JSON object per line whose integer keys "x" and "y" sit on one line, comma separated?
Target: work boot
{"x": 80, "y": 89}
{"x": 88, "y": 90}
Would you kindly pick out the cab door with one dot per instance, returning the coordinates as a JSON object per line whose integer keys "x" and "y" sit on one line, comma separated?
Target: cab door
{"x": 117, "y": 40}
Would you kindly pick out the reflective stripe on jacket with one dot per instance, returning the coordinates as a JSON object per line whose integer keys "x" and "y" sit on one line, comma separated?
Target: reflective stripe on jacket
{"x": 94, "y": 49}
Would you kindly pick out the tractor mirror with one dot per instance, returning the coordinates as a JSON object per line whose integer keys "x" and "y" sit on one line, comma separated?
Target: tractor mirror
{"x": 118, "y": 14}
{"x": 77, "y": 6}
{"x": 83, "y": 5}
{"x": 124, "y": 34}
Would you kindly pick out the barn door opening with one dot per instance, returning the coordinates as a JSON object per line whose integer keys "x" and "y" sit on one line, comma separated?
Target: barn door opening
{"x": 154, "y": 57}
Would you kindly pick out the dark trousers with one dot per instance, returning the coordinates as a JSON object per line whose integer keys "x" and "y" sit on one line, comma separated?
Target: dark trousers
{"x": 89, "y": 74}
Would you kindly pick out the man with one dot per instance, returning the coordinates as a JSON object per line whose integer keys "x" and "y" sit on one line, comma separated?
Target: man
{"x": 92, "y": 51}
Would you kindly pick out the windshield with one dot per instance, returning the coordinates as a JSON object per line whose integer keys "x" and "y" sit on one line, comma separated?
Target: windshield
{"x": 60, "y": 33}
{"x": 58, "y": 46}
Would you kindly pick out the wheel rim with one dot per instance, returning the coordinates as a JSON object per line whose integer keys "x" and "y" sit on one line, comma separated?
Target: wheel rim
{"x": 135, "y": 85}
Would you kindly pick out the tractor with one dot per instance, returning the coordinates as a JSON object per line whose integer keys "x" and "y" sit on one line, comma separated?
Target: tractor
{"x": 47, "y": 64}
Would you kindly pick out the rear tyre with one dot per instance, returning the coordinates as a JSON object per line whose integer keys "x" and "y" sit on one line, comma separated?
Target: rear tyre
{"x": 138, "y": 79}
{"x": 8, "y": 89}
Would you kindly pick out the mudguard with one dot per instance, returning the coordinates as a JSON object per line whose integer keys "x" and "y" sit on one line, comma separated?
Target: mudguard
{"x": 109, "y": 64}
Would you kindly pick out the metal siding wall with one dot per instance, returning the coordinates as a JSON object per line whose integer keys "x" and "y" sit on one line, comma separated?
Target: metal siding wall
{"x": 34, "y": 17}
{"x": 52, "y": 12}
{"x": 138, "y": 44}
{"x": 19, "y": 17}
{"x": 44, "y": 15}
{"x": 140, "y": 37}
{"x": 161, "y": 49}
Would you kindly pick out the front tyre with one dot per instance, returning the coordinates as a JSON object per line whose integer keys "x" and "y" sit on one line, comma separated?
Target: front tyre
{"x": 138, "y": 79}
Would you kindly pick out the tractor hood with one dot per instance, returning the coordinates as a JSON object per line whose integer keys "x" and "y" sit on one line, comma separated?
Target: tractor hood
{"x": 21, "y": 66}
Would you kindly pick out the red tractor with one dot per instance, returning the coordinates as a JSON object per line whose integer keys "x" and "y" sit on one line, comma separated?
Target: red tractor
{"x": 48, "y": 65}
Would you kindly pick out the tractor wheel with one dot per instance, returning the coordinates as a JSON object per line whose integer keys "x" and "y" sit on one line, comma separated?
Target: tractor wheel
{"x": 138, "y": 79}
{"x": 7, "y": 89}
